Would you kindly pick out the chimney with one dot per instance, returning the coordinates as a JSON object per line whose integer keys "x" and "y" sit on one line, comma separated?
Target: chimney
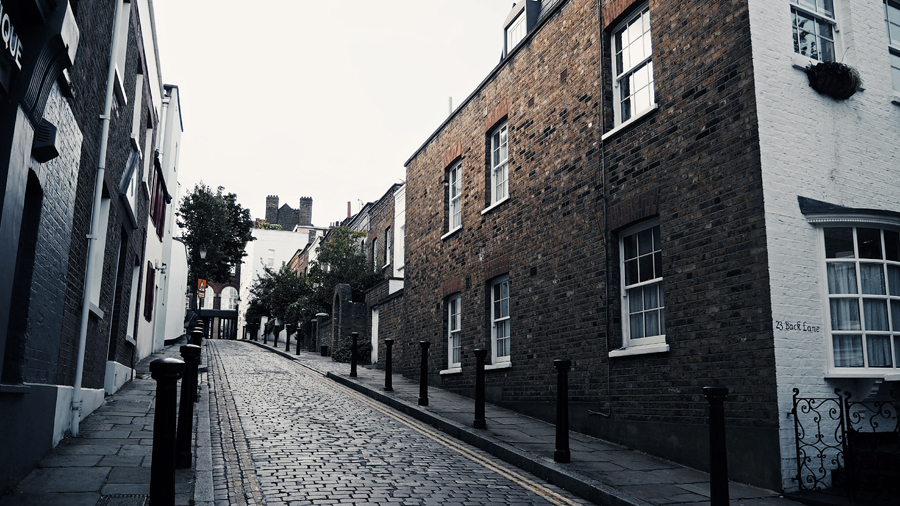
{"x": 272, "y": 208}
{"x": 348, "y": 209}
{"x": 305, "y": 212}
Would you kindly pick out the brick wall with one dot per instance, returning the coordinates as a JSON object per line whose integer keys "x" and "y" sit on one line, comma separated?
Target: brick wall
{"x": 692, "y": 163}
{"x": 52, "y": 250}
{"x": 88, "y": 75}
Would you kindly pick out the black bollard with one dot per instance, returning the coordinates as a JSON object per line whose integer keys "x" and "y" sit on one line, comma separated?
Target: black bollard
{"x": 718, "y": 457}
{"x": 265, "y": 336}
{"x": 287, "y": 339}
{"x": 562, "y": 411}
{"x": 197, "y": 335}
{"x": 354, "y": 337}
{"x": 166, "y": 372}
{"x": 479, "y": 422}
{"x": 275, "y": 337}
{"x": 388, "y": 365}
{"x": 191, "y": 355}
{"x": 423, "y": 374}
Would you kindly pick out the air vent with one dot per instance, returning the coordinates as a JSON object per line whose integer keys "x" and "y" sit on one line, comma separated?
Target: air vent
{"x": 46, "y": 142}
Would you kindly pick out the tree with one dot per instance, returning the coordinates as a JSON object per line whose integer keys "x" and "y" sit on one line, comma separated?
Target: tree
{"x": 214, "y": 222}
{"x": 281, "y": 293}
{"x": 340, "y": 260}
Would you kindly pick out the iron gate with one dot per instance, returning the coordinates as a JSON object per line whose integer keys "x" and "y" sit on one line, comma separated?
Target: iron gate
{"x": 848, "y": 448}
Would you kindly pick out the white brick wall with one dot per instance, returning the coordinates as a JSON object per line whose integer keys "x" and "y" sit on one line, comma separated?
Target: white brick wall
{"x": 842, "y": 152}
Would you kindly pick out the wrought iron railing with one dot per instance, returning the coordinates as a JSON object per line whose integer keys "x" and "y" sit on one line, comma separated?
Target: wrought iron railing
{"x": 846, "y": 447}
{"x": 820, "y": 439}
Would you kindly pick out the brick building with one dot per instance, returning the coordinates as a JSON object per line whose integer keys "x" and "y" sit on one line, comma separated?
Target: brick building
{"x": 641, "y": 187}
{"x": 384, "y": 301}
{"x": 75, "y": 205}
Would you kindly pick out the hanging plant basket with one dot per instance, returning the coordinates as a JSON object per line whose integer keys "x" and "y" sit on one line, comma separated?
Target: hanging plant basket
{"x": 837, "y": 80}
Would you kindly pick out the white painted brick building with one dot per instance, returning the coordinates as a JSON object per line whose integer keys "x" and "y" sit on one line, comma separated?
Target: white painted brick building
{"x": 843, "y": 152}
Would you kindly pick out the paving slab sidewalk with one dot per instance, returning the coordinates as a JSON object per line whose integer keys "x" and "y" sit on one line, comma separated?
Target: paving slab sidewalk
{"x": 600, "y": 471}
{"x": 109, "y": 462}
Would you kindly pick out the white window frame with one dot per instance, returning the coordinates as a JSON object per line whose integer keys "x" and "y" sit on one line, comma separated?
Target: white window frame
{"x": 387, "y": 246}
{"x": 516, "y": 31}
{"x": 654, "y": 342}
{"x": 122, "y": 52}
{"x": 632, "y": 61}
{"x": 817, "y": 12}
{"x": 501, "y": 327}
{"x": 891, "y": 298}
{"x": 500, "y": 163}
{"x": 454, "y": 179}
{"x": 270, "y": 259}
{"x": 100, "y": 251}
{"x": 375, "y": 253}
{"x": 454, "y": 332}
{"x": 892, "y": 23}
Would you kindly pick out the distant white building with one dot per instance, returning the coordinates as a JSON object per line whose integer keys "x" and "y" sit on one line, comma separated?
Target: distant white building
{"x": 270, "y": 248}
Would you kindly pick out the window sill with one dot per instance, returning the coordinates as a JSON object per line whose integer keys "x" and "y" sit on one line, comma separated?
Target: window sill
{"x": 493, "y": 206}
{"x": 639, "y": 350}
{"x": 895, "y": 99}
{"x": 628, "y": 123}
{"x": 450, "y": 233}
{"x": 501, "y": 365}
{"x": 97, "y": 311}
{"x": 864, "y": 374}
{"x": 452, "y": 370}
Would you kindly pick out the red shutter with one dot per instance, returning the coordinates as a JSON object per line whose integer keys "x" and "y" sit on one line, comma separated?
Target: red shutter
{"x": 149, "y": 292}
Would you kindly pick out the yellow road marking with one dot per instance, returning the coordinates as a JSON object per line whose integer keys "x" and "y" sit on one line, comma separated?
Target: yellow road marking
{"x": 513, "y": 476}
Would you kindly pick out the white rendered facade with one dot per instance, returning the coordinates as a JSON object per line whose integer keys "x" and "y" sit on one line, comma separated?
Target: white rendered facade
{"x": 170, "y": 280}
{"x": 840, "y": 152}
{"x": 278, "y": 246}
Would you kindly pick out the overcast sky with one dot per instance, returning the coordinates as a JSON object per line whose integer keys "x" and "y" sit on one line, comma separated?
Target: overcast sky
{"x": 324, "y": 99}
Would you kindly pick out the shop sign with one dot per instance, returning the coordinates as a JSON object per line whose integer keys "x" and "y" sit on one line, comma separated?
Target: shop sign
{"x": 12, "y": 43}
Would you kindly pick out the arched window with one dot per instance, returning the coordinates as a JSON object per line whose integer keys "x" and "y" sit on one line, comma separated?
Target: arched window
{"x": 229, "y": 298}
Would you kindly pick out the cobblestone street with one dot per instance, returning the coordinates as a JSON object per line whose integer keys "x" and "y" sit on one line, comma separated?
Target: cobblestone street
{"x": 283, "y": 434}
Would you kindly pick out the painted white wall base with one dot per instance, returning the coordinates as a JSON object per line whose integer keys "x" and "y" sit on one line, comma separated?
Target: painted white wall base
{"x": 93, "y": 399}
{"x": 116, "y": 376}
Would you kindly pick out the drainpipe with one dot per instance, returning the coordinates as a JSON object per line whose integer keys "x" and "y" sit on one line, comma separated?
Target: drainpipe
{"x": 93, "y": 246}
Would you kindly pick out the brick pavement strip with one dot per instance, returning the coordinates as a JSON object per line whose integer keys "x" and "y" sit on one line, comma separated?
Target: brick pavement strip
{"x": 309, "y": 441}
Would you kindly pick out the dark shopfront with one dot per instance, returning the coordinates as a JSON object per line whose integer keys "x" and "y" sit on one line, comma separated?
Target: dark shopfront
{"x": 40, "y": 146}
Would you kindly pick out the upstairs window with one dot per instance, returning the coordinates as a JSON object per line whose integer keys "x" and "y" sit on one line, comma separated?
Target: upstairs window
{"x": 158, "y": 198}
{"x": 388, "y": 239}
{"x": 892, "y": 20}
{"x": 863, "y": 277}
{"x": 375, "y": 254}
{"x": 454, "y": 194}
{"x": 633, "y": 62}
{"x": 515, "y": 32}
{"x": 814, "y": 26}
{"x": 499, "y": 164}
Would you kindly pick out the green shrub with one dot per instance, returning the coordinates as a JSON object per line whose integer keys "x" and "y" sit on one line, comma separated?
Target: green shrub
{"x": 342, "y": 352}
